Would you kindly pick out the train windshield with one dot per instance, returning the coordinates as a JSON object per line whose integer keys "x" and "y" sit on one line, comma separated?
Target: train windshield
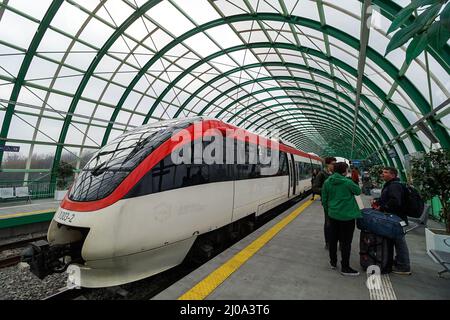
{"x": 112, "y": 163}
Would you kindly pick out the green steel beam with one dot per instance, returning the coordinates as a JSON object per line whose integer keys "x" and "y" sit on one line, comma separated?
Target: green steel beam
{"x": 329, "y": 107}
{"x": 389, "y": 9}
{"x": 328, "y": 88}
{"x": 300, "y": 108}
{"x": 371, "y": 53}
{"x": 387, "y": 123}
{"x": 89, "y": 72}
{"x": 333, "y": 107}
{"x": 347, "y": 116}
{"x": 26, "y": 62}
{"x": 404, "y": 122}
{"x": 386, "y": 160}
{"x": 315, "y": 108}
{"x": 318, "y": 124}
{"x": 344, "y": 106}
{"x": 292, "y": 136}
{"x": 366, "y": 18}
{"x": 380, "y": 93}
{"x": 327, "y": 132}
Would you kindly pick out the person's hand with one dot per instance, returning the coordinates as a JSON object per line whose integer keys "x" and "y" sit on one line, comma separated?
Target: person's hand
{"x": 374, "y": 204}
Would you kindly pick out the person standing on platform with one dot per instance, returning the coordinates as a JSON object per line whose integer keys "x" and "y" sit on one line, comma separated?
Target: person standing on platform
{"x": 317, "y": 189}
{"x": 392, "y": 201}
{"x": 313, "y": 177}
{"x": 355, "y": 175}
{"x": 339, "y": 203}
{"x": 366, "y": 183}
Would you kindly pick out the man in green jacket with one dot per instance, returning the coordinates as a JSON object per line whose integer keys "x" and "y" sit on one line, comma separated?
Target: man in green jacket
{"x": 317, "y": 189}
{"x": 339, "y": 203}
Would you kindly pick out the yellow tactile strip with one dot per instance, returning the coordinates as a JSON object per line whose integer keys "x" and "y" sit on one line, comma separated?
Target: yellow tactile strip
{"x": 21, "y": 214}
{"x": 202, "y": 289}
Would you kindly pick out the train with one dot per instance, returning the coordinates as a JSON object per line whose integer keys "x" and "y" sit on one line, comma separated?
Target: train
{"x": 148, "y": 198}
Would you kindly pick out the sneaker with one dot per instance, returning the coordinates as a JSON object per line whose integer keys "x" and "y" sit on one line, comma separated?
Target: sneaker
{"x": 347, "y": 271}
{"x": 333, "y": 265}
{"x": 397, "y": 270}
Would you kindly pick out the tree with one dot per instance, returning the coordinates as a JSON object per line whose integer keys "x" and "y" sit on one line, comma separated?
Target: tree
{"x": 426, "y": 28}
{"x": 63, "y": 173}
{"x": 375, "y": 174}
{"x": 431, "y": 176}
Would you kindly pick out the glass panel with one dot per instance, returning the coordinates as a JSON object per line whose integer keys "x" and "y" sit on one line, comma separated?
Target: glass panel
{"x": 306, "y": 8}
{"x": 10, "y": 33}
{"x": 96, "y": 32}
{"x": 22, "y": 127}
{"x": 69, "y": 18}
{"x": 42, "y": 157}
{"x": 335, "y": 18}
{"x": 49, "y": 130}
{"x": 165, "y": 14}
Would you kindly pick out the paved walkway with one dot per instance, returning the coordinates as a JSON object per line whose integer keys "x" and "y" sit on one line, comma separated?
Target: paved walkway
{"x": 10, "y": 209}
{"x": 294, "y": 265}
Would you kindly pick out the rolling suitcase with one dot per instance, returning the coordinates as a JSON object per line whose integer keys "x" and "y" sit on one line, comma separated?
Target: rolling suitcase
{"x": 376, "y": 250}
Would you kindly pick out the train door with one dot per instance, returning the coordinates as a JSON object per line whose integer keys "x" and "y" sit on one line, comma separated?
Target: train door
{"x": 292, "y": 175}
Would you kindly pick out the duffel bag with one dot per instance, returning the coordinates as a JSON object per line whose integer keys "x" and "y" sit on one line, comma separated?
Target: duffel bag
{"x": 386, "y": 225}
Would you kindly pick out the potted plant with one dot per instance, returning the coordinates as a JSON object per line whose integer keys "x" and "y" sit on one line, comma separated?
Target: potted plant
{"x": 375, "y": 176}
{"x": 431, "y": 176}
{"x": 64, "y": 175}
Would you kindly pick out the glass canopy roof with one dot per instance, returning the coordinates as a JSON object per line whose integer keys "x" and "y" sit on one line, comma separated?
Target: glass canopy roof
{"x": 76, "y": 74}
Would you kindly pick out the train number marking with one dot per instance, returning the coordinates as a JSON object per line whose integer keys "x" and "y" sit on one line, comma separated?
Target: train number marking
{"x": 66, "y": 216}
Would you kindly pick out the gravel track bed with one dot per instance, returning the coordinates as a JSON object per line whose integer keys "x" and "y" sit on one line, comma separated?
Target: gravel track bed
{"x": 18, "y": 283}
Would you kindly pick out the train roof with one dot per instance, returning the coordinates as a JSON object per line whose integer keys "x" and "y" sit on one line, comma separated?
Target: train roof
{"x": 184, "y": 122}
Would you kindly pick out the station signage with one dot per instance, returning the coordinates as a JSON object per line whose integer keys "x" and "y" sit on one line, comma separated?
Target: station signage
{"x": 9, "y": 148}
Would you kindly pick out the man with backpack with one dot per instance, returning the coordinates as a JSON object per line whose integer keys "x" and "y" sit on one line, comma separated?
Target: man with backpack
{"x": 317, "y": 189}
{"x": 393, "y": 200}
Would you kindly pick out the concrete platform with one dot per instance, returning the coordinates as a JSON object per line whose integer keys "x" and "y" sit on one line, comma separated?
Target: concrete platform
{"x": 293, "y": 265}
{"x": 19, "y": 219}
{"x": 16, "y": 209}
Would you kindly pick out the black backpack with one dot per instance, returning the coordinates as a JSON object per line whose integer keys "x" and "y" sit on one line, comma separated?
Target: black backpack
{"x": 413, "y": 203}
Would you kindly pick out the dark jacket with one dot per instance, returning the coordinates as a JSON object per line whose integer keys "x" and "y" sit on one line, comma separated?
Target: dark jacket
{"x": 338, "y": 198}
{"x": 319, "y": 180}
{"x": 392, "y": 198}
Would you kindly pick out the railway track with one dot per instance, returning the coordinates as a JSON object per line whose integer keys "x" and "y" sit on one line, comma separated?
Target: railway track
{"x": 14, "y": 259}
{"x": 68, "y": 294}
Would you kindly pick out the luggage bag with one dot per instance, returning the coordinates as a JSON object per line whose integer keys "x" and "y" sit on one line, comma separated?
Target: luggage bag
{"x": 376, "y": 250}
{"x": 386, "y": 225}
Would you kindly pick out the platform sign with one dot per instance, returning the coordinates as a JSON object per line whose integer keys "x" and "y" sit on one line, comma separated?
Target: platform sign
{"x": 9, "y": 148}
{"x": 356, "y": 163}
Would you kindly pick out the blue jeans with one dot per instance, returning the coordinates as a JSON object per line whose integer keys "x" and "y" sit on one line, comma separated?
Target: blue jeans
{"x": 402, "y": 254}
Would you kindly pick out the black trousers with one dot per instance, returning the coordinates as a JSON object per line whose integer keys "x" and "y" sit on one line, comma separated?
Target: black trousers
{"x": 341, "y": 231}
{"x": 326, "y": 228}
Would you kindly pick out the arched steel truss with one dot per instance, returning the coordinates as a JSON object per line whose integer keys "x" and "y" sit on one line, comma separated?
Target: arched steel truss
{"x": 329, "y": 111}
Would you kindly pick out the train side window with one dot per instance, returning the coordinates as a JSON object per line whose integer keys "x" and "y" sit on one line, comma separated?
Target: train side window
{"x": 198, "y": 174}
{"x": 297, "y": 165}
{"x": 283, "y": 164}
{"x": 248, "y": 169}
{"x": 181, "y": 175}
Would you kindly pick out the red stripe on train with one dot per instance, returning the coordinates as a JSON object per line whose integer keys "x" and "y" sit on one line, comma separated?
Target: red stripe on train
{"x": 164, "y": 150}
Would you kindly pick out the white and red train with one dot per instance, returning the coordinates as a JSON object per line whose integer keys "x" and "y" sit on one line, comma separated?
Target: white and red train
{"x": 132, "y": 212}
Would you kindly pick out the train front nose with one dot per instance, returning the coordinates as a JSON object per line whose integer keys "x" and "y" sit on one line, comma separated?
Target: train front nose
{"x": 46, "y": 257}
